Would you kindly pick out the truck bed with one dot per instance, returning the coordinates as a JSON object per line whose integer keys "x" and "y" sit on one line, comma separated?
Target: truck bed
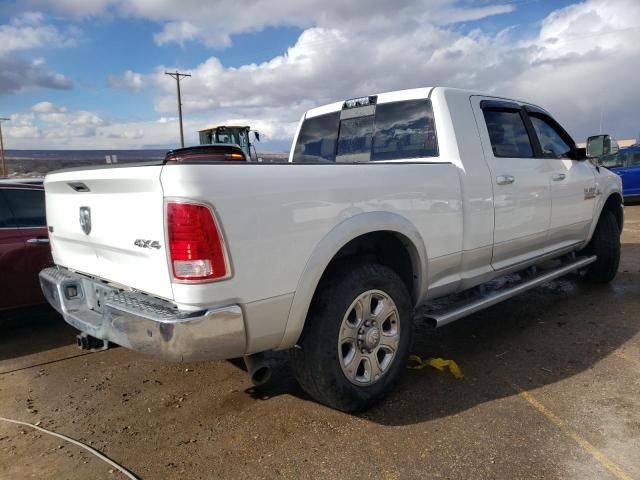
{"x": 272, "y": 217}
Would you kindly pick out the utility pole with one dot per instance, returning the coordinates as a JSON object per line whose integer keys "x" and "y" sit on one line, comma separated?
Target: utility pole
{"x": 177, "y": 76}
{"x": 601, "y": 117}
{"x": 4, "y": 162}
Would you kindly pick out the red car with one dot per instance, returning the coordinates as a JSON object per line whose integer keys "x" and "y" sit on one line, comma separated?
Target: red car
{"x": 24, "y": 244}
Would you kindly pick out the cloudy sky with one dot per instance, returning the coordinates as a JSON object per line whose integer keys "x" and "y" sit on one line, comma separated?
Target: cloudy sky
{"x": 90, "y": 73}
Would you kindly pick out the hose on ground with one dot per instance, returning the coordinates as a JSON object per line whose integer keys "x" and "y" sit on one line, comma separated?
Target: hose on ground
{"x": 93, "y": 451}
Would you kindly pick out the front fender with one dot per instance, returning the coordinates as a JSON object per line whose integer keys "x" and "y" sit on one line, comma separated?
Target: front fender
{"x": 331, "y": 244}
{"x": 608, "y": 184}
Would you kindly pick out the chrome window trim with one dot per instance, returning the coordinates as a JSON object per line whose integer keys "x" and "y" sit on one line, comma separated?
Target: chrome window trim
{"x": 21, "y": 228}
{"x": 21, "y": 187}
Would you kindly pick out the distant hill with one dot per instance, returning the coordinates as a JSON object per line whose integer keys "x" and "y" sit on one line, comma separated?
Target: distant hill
{"x": 37, "y": 163}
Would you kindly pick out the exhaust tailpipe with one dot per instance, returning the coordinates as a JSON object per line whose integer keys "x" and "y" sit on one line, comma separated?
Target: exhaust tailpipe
{"x": 87, "y": 342}
{"x": 259, "y": 368}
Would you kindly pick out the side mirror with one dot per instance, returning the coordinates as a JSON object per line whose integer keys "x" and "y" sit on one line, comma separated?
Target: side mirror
{"x": 600, "y": 145}
{"x": 256, "y": 135}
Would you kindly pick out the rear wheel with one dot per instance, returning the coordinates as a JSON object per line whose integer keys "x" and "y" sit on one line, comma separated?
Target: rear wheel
{"x": 357, "y": 337}
{"x": 605, "y": 244}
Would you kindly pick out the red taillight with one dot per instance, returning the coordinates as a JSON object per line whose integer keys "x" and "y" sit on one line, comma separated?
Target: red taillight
{"x": 195, "y": 244}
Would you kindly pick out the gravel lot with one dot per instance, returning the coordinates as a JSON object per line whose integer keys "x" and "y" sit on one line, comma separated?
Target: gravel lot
{"x": 551, "y": 390}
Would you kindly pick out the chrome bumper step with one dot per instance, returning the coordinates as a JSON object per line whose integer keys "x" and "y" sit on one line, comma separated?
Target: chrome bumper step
{"x": 143, "y": 323}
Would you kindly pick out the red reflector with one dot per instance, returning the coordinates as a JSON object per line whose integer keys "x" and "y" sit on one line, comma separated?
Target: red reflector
{"x": 195, "y": 244}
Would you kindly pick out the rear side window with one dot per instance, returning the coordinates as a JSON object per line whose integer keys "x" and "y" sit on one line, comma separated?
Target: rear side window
{"x": 6, "y": 217}
{"x": 634, "y": 160}
{"x": 317, "y": 139}
{"x": 508, "y": 135}
{"x": 27, "y": 207}
{"x": 404, "y": 130}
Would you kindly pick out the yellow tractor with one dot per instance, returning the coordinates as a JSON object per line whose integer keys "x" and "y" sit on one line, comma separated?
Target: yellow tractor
{"x": 229, "y": 134}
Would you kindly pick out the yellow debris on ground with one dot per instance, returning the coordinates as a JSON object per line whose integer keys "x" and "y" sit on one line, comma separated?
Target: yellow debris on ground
{"x": 416, "y": 363}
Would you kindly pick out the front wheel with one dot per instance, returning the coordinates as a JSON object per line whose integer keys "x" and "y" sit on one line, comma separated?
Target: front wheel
{"x": 605, "y": 244}
{"x": 357, "y": 337}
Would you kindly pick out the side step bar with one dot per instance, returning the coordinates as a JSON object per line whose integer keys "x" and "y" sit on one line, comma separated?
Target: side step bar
{"x": 455, "y": 312}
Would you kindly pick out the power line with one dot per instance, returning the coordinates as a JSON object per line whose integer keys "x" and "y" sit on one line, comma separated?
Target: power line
{"x": 177, "y": 76}
{"x": 5, "y": 173}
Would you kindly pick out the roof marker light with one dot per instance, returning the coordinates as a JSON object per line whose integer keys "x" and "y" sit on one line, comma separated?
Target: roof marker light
{"x": 360, "y": 102}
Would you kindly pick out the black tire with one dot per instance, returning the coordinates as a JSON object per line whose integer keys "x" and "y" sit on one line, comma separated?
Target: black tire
{"x": 316, "y": 363}
{"x": 605, "y": 244}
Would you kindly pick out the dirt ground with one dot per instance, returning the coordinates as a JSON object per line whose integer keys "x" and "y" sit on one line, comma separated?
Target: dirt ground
{"x": 551, "y": 390}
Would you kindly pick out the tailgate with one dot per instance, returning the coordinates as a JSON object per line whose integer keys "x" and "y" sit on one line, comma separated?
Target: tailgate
{"x": 126, "y": 212}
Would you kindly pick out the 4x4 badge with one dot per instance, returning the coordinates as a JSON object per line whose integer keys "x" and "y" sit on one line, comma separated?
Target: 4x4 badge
{"x": 591, "y": 192}
{"x": 147, "y": 243}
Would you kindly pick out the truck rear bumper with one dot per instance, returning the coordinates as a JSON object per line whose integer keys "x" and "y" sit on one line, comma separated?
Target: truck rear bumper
{"x": 139, "y": 322}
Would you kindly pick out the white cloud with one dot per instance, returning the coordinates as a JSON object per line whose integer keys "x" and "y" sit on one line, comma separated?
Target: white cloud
{"x": 29, "y": 132}
{"x": 84, "y": 118}
{"x": 68, "y": 133}
{"x": 56, "y": 116}
{"x": 50, "y": 126}
{"x": 214, "y": 22}
{"x": 128, "y": 134}
{"x": 29, "y": 31}
{"x": 22, "y": 119}
{"x": 17, "y": 75}
{"x": 584, "y": 63}
{"x": 47, "y": 107}
{"x": 456, "y": 15}
{"x": 53, "y": 117}
{"x": 129, "y": 80}
{"x": 582, "y": 59}
{"x": 579, "y": 62}
{"x": 26, "y": 32}
{"x": 28, "y": 18}
{"x": 80, "y": 8}
{"x": 179, "y": 32}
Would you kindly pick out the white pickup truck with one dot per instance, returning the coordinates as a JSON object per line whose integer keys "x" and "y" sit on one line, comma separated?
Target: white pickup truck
{"x": 387, "y": 203}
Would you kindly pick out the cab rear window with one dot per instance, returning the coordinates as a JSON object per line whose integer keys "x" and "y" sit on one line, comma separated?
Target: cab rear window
{"x": 355, "y": 137}
{"x": 398, "y": 130}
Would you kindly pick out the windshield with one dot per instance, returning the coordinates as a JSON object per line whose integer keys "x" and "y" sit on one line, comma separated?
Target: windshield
{"x": 236, "y": 136}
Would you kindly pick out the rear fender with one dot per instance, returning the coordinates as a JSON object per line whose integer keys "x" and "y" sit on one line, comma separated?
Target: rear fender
{"x": 331, "y": 244}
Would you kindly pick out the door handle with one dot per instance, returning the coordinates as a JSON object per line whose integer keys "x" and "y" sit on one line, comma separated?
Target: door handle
{"x": 38, "y": 240}
{"x": 556, "y": 177}
{"x": 505, "y": 179}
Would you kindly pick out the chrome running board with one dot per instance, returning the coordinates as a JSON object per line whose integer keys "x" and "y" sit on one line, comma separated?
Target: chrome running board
{"x": 442, "y": 315}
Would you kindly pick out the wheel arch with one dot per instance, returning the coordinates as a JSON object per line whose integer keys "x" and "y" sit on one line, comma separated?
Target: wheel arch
{"x": 612, "y": 202}
{"x": 346, "y": 237}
